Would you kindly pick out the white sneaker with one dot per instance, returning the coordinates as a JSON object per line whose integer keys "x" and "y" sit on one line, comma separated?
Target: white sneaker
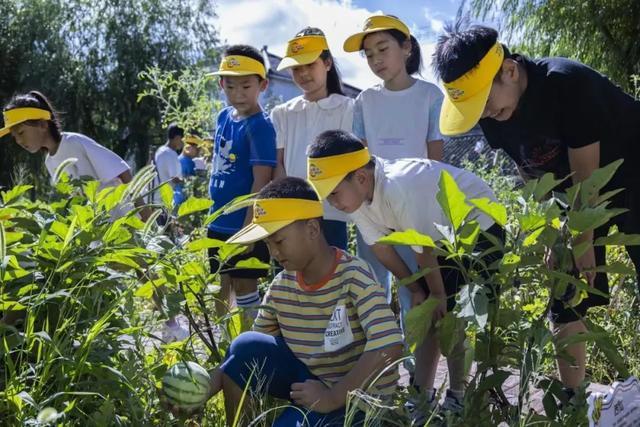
{"x": 174, "y": 331}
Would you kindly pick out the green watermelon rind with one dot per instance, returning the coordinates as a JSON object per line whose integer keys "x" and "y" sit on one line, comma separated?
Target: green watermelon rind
{"x": 196, "y": 379}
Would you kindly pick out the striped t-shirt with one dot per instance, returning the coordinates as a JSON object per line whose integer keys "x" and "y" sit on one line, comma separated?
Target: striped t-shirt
{"x": 312, "y": 320}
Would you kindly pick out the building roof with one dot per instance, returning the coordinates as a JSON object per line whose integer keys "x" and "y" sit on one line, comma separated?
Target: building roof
{"x": 273, "y": 61}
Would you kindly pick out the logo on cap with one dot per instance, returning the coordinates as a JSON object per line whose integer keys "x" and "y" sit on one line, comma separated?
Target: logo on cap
{"x": 258, "y": 211}
{"x": 455, "y": 93}
{"x": 296, "y": 47}
{"x": 232, "y": 62}
{"x": 314, "y": 171}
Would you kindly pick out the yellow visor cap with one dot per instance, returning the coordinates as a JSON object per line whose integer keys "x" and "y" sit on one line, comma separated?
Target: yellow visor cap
{"x": 303, "y": 50}
{"x": 325, "y": 173}
{"x": 238, "y": 65}
{"x": 374, "y": 24}
{"x": 271, "y": 215}
{"x": 466, "y": 97}
{"x": 16, "y": 116}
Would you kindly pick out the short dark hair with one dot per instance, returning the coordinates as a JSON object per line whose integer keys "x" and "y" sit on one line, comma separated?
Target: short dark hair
{"x": 174, "y": 130}
{"x": 334, "y": 82}
{"x": 35, "y": 99}
{"x": 461, "y": 48}
{"x": 336, "y": 142}
{"x": 245, "y": 50}
{"x": 288, "y": 188}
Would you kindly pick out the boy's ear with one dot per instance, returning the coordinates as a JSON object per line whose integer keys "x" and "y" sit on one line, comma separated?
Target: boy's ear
{"x": 510, "y": 70}
{"x": 313, "y": 228}
{"x": 221, "y": 82}
{"x": 264, "y": 84}
{"x": 360, "y": 175}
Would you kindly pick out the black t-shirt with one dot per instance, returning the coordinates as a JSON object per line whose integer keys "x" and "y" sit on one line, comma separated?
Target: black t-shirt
{"x": 569, "y": 105}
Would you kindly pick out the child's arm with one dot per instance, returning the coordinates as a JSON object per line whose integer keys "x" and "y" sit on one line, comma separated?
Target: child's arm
{"x": 313, "y": 394}
{"x": 261, "y": 177}
{"x": 388, "y": 256}
{"x": 434, "y": 280}
{"x": 280, "y": 171}
{"x": 435, "y": 150}
{"x": 126, "y": 177}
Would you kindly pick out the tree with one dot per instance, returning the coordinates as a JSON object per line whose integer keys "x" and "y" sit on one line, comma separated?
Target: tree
{"x": 600, "y": 33}
{"x": 86, "y": 56}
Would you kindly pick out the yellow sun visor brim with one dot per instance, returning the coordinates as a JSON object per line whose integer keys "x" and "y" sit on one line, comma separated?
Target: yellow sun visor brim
{"x": 16, "y": 116}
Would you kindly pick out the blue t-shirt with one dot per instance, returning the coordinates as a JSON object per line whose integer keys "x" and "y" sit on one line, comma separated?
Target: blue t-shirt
{"x": 239, "y": 145}
{"x": 187, "y": 165}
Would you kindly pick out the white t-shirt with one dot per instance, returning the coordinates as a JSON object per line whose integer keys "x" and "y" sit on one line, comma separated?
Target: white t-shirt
{"x": 297, "y": 123}
{"x": 167, "y": 167}
{"x": 94, "y": 160}
{"x": 404, "y": 197}
{"x": 398, "y": 124}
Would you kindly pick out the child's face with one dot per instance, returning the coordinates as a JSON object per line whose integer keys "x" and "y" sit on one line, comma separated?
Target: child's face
{"x": 505, "y": 93}
{"x": 350, "y": 194}
{"x": 31, "y": 136}
{"x": 243, "y": 92}
{"x": 294, "y": 245}
{"x": 312, "y": 77}
{"x": 385, "y": 56}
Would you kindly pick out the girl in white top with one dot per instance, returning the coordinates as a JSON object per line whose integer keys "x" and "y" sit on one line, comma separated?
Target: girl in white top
{"x": 397, "y": 118}
{"x": 322, "y": 106}
{"x": 34, "y": 125}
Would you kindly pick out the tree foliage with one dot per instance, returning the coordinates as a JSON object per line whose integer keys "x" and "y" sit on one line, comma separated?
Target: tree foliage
{"x": 600, "y": 33}
{"x": 86, "y": 56}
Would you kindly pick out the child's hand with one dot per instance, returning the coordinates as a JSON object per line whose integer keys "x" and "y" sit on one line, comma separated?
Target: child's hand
{"x": 314, "y": 395}
{"x": 418, "y": 296}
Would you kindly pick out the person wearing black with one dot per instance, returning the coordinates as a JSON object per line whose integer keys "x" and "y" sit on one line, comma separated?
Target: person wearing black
{"x": 550, "y": 115}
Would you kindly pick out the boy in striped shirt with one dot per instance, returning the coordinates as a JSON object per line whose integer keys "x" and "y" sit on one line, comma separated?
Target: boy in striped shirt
{"x": 328, "y": 329}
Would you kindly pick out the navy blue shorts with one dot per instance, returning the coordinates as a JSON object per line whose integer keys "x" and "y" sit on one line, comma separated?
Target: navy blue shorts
{"x": 272, "y": 368}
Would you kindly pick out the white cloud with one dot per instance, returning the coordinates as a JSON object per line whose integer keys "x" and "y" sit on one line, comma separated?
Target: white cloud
{"x": 273, "y": 22}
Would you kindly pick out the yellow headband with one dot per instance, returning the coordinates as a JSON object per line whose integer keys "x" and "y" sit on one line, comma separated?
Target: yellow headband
{"x": 193, "y": 140}
{"x": 271, "y": 215}
{"x": 239, "y": 65}
{"x": 466, "y": 97}
{"x": 16, "y": 116}
{"x": 303, "y": 50}
{"x": 325, "y": 173}
{"x": 374, "y": 24}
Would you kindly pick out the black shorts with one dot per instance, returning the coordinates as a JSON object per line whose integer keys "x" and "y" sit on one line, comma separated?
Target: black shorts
{"x": 259, "y": 251}
{"x": 453, "y": 279}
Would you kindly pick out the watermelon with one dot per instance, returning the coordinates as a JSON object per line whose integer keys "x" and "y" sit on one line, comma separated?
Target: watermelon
{"x": 186, "y": 386}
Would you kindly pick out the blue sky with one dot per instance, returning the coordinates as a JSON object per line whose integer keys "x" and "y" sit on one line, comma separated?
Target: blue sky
{"x": 273, "y": 22}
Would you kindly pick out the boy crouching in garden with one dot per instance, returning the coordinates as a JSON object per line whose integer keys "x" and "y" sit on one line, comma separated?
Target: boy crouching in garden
{"x": 328, "y": 329}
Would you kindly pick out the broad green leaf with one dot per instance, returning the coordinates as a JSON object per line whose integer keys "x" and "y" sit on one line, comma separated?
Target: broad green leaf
{"x": 229, "y": 250}
{"x": 238, "y": 203}
{"x": 615, "y": 268}
{"x": 596, "y": 181}
{"x": 90, "y": 190}
{"x": 192, "y": 205}
{"x": 449, "y": 329}
{"x": 59, "y": 229}
{"x": 15, "y": 192}
{"x": 166, "y": 195}
{"x": 545, "y": 185}
{"x": 147, "y": 289}
{"x": 531, "y": 221}
{"x": 509, "y": 262}
{"x": 252, "y": 262}
{"x": 408, "y": 237}
{"x": 452, "y": 200}
{"x": 6, "y": 305}
{"x": 580, "y": 249}
{"x": 473, "y": 302}
{"x": 203, "y": 243}
{"x": 418, "y": 322}
{"x": 591, "y": 218}
{"x": 618, "y": 239}
{"x": 468, "y": 235}
{"x": 532, "y": 238}
{"x": 497, "y": 211}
